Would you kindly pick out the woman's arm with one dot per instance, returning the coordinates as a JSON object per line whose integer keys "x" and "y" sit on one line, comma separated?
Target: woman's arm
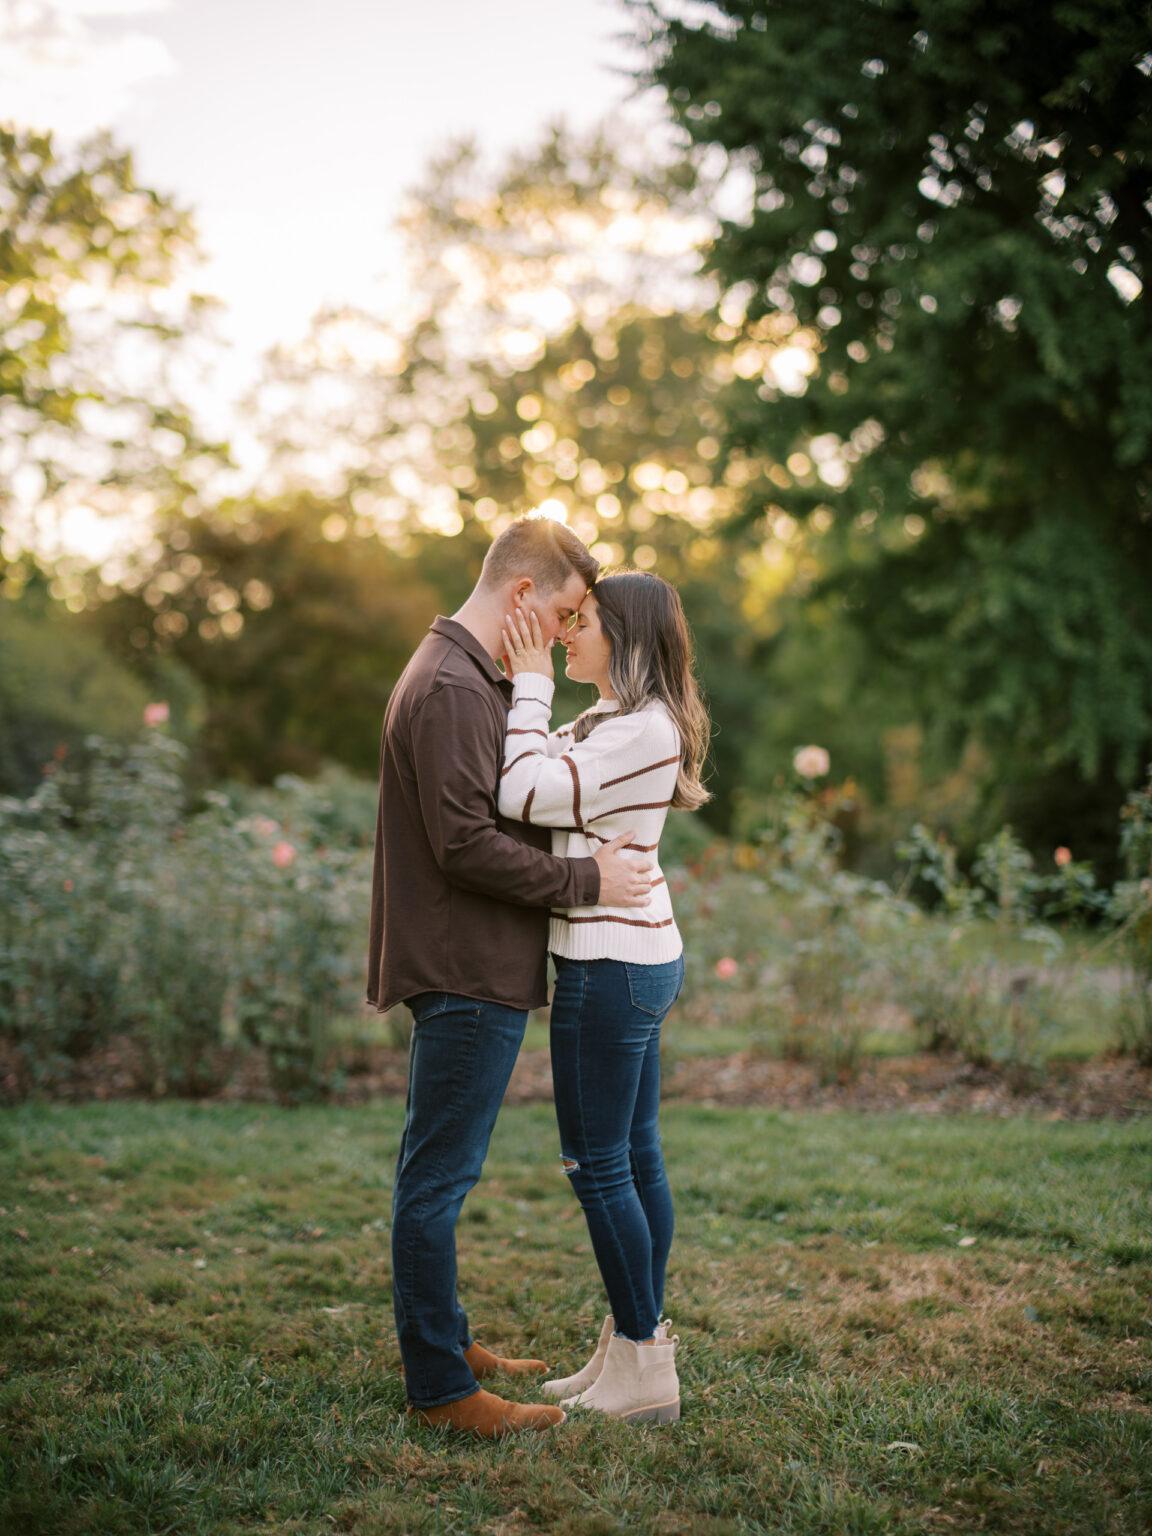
{"x": 559, "y": 740}
{"x": 616, "y": 766}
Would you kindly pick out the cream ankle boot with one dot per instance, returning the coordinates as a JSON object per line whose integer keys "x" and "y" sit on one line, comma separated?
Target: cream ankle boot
{"x": 638, "y": 1382}
{"x": 572, "y": 1386}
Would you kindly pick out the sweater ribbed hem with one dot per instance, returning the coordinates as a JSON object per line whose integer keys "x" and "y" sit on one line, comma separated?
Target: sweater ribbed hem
{"x": 614, "y": 941}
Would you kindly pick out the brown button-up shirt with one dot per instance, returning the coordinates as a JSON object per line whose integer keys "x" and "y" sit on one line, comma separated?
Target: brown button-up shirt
{"x": 460, "y": 895}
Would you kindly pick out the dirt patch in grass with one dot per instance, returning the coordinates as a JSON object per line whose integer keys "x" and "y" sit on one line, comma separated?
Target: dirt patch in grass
{"x": 1112, "y": 1087}
{"x": 925, "y": 1084}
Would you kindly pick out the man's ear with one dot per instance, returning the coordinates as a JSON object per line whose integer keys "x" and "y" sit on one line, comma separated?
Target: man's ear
{"x": 522, "y": 589}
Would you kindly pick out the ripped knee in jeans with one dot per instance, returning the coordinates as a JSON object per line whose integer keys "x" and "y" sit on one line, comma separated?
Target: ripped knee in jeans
{"x": 570, "y": 1164}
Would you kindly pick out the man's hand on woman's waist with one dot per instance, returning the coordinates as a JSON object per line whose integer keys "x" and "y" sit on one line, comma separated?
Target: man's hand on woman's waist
{"x": 623, "y": 882}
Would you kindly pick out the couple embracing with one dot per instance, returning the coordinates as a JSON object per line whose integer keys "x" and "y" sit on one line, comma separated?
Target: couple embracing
{"x": 499, "y": 839}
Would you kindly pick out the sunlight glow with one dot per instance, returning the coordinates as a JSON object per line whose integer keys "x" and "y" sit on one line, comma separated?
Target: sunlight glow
{"x": 790, "y": 368}
{"x": 553, "y": 508}
{"x": 1125, "y": 282}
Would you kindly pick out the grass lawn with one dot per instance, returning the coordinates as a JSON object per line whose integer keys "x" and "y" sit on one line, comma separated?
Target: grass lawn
{"x": 889, "y": 1325}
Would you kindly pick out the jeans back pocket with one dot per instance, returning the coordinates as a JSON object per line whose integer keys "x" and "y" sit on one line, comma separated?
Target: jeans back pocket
{"x": 654, "y": 988}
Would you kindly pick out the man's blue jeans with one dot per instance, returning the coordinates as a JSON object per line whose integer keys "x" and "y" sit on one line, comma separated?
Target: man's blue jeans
{"x": 605, "y": 1037}
{"x": 462, "y": 1056}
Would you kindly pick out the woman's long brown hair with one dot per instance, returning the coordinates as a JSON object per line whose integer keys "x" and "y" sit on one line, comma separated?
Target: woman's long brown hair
{"x": 652, "y": 658}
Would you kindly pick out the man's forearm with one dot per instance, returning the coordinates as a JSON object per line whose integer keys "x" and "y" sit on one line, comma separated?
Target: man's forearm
{"x": 491, "y": 862}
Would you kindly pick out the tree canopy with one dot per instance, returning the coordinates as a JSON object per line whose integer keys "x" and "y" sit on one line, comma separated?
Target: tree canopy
{"x": 95, "y": 324}
{"x": 949, "y": 216}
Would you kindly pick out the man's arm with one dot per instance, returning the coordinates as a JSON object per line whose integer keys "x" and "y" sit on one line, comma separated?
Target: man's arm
{"x": 457, "y": 749}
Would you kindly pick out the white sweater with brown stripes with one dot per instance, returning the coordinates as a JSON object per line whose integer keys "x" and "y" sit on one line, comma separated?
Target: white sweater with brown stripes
{"x": 620, "y": 777}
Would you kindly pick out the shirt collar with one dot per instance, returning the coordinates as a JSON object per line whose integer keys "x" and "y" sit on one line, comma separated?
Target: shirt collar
{"x": 467, "y": 641}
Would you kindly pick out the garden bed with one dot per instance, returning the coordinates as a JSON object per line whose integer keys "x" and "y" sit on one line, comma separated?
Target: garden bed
{"x": 925, "y": 1083}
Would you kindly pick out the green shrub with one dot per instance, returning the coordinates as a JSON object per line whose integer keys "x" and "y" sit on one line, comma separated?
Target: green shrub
{"x": 61, "y": 934}
{"x": 797, "y": 943}
{"x": 197, "y": 935}
{"x": 237, "y": 923}
{"x": 1132, "y": 910}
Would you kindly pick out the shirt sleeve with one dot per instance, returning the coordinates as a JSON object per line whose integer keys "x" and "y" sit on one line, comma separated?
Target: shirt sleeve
{"x": 456, "y": 752}
{"x": 579, "y": 783}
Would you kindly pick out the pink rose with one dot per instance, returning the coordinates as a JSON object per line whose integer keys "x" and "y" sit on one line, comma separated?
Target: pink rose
{"x": 811, "y": 762}
{"x": 726, "y": 968}
{"x": 1063, "y": 856}
{"x": 156, "y": 714}
{"x": 283, "y": 855}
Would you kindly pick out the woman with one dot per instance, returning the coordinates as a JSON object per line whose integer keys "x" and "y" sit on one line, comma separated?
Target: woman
{"x": 618, "y": 768}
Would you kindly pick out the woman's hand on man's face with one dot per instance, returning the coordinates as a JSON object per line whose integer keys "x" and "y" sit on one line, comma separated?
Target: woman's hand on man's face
{"x": 524, "y": 645}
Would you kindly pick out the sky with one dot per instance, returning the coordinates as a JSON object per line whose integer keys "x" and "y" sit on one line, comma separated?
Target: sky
{"x": 293, "y": 127}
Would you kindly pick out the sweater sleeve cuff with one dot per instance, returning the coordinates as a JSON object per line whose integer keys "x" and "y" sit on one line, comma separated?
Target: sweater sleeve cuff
{"x": 533, "y": 685}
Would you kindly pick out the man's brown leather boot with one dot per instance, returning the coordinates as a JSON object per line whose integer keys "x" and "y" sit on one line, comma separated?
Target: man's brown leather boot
{"x": 488, "y": 1416}
{"x": 484, "y": 1363}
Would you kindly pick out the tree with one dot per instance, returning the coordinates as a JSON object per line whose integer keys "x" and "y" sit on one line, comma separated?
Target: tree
{"x": 571, "y": 234}
{"x": 560, "y": 351}
{"x": 947, "y": 239}
{"x": 294, "y": 632}
{"x": 95, "y": 325}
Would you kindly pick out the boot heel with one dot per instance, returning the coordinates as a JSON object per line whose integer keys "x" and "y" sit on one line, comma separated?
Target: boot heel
{"x": 666, "y": 1413}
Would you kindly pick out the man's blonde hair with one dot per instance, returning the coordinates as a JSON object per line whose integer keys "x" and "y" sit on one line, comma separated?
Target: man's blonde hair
{"x": 541, "y": 548}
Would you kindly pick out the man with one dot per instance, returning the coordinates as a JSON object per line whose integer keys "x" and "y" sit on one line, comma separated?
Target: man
{"x": 459, "y": 925}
